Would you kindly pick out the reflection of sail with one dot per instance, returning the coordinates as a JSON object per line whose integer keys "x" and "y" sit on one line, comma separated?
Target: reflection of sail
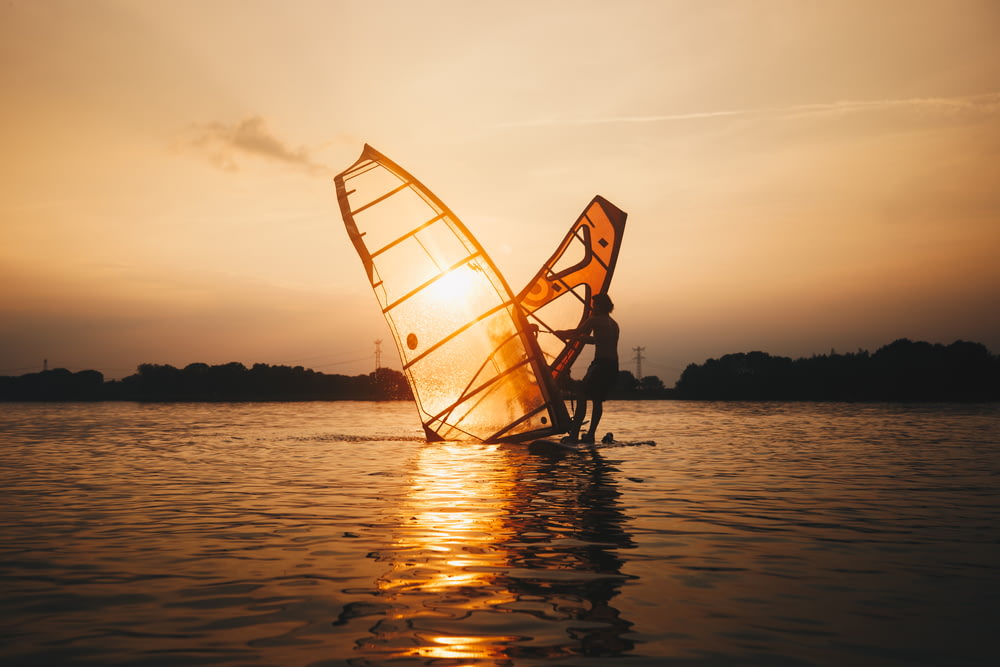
{"x": 558, "y": 297}
{"x": 500, "y": 555}
{"x": 474, "y": 371}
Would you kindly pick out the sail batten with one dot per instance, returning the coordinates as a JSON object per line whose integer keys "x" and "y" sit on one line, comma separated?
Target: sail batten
{"x": 407, "y": 235}
{"x": 380, "y": 199}
{"x": 430, "y": 282}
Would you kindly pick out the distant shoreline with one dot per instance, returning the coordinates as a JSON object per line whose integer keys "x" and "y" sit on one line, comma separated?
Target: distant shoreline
{"x": 201, "y": 383}
{"x": 903, "y": 371}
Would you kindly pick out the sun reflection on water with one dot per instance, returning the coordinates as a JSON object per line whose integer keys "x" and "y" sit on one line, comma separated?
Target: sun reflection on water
{"x": 501, "y": 553}
{"x": 445, "y": 560}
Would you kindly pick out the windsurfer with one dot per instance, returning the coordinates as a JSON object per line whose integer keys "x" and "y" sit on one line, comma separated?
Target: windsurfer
{"x": 602, "y": 331}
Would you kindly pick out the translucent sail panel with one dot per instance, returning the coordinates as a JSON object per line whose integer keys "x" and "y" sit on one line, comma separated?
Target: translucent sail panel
{"x": 501, "y": 397}
{"x": 565, "y": 312}
{"x": 473, "y": 370}
{"x": 558, "y": 297}
{"x": 433, "y": 260}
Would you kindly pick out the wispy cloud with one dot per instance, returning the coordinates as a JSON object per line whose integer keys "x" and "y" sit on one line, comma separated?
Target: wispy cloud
{"x": 226, "y": 146}
{"x": 986, "y": 104}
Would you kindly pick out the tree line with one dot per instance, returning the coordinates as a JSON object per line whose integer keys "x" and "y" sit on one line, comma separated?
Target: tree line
{"x": 901, "y": 371}
{"x": 201, "y": 382}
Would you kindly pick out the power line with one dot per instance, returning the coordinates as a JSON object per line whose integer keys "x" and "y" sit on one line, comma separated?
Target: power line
{"x": 340, "y": 363}
{"x": 663, "y": 366}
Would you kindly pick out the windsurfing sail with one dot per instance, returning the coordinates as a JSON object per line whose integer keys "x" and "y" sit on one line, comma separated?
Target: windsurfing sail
{"x": 475, "y": 370}
{"x": 558, "y": 297}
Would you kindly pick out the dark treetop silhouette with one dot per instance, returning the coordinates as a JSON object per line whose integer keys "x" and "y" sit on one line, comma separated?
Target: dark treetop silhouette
{"x": 201, "y": 382}
{"x": 901, "y": 371}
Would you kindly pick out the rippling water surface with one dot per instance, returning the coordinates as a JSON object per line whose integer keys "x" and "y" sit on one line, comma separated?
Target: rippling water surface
{"x": 331, "y": 534}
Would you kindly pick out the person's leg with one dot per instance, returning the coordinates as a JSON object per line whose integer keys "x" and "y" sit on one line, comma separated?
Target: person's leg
{"x": 595, "y": 418}
{"x": 584, "y": 391}
{"x": 603, "y": 380}
{"x": 579, "y": 414}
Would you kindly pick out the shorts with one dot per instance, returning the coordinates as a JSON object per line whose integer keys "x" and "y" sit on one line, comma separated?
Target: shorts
{"x": 601, "y": 376}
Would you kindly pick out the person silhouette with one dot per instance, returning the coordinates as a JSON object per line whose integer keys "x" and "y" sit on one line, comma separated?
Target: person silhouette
{"x": 602, "y": 331}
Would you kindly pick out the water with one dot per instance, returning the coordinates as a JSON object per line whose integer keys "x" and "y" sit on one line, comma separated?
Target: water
{"x": 331, "y": 534}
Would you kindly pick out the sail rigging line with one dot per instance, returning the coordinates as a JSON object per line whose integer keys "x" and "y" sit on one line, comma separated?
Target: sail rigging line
{"x": 436, "y": 437}
{"x": 483, "y": 395}
{"x": 467, "y": 390}
{"x": 501, "y": 373}
{"x": 430, "y": 254}
{"x": 499, "y": 434}
{"x": 445, "y": 414}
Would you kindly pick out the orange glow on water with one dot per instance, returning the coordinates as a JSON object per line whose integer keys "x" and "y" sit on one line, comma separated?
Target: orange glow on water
{"x": 447, "y": 554}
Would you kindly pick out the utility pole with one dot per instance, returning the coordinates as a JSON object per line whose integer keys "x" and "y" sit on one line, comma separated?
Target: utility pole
{"x": 638, "y": 362}
{"x": 378, "y": 354}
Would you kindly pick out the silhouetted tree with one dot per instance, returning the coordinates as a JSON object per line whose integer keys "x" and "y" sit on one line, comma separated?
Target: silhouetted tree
{"x": 900, "y": 371}
{"x": 651, "y": 385}
{"x": 57, "y": 384}
{"x": 625, "y": 387}
{"x": 391, "y": 385}
{"x": 201, "y": 382}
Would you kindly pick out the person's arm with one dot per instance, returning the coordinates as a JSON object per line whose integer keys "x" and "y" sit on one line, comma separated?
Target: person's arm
{"x": 582, "y": 333}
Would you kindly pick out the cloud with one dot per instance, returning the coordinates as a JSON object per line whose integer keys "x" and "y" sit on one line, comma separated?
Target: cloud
{"x": 226, "y": 146}
{"x": 972, "y": 105}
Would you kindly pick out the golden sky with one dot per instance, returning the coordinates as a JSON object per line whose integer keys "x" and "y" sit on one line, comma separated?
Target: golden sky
{"x": 799, "y": 176}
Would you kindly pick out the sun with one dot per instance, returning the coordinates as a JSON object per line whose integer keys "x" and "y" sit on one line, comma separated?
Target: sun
{"x": 455, "y": 287}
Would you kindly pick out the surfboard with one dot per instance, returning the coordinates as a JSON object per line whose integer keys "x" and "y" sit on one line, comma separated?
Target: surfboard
{"x": 556, "y": 445}
{"x": 627, "y": 443}
{"x": 546, "y": 443}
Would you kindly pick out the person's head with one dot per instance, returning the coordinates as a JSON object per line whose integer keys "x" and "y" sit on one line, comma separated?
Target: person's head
{"x": 602, "y": 303}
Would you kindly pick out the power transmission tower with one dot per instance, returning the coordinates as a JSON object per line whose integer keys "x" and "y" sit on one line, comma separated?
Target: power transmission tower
{"x": 378, "y": 354}
{"x": 638, "y": 362}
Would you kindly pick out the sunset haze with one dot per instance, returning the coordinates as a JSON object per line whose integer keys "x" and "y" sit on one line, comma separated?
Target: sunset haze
{"x": 798, "y": 176}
